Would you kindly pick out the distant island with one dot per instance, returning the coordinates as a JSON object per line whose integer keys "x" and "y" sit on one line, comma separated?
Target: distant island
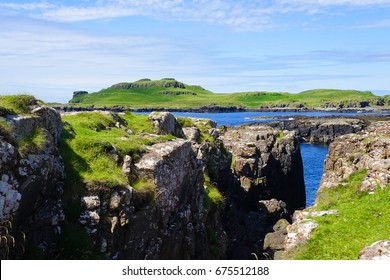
{"x": 168, "y": 93}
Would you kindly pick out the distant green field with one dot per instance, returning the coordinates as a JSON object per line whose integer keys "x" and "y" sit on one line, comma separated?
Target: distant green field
{"x": 169, "y": 93}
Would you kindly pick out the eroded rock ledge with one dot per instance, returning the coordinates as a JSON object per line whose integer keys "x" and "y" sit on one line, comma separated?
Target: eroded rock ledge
{"x": 31, "y": 183}
{"x": 367, "y": 150}
{"x": 320, "y": 130}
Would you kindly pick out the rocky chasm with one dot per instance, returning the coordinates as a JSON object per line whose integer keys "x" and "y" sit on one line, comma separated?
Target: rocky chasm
{"x": 207, "y": 193}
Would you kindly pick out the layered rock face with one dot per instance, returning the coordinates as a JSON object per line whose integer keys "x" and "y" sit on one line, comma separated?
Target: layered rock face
{"x": 320, "y": 130}
{"x": 267, "y": 185}
{"x": 162, "y": 218}
{"x": 368, "y": 150}
{"x": 31, "y": 183}
{"x": 268, "y": 164}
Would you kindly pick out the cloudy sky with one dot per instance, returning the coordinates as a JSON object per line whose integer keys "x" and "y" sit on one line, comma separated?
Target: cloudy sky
{"x": 52, "y": 48}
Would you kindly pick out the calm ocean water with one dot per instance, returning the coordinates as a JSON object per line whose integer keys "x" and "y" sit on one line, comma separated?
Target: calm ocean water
{"x": 312, "y": 155}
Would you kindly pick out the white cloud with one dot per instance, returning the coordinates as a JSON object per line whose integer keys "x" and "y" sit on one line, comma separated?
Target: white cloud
{"x": 27, "y": 6}
{"x": 336, "y": 2}
{"x": 239, "y": 14}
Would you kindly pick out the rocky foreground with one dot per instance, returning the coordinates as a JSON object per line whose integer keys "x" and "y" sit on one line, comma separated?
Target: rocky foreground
{"x": 207, "y": 193}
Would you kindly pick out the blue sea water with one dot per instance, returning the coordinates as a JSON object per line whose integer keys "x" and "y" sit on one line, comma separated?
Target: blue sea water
{"x": 313, "y": 157}
{"x": 238, "y": 118}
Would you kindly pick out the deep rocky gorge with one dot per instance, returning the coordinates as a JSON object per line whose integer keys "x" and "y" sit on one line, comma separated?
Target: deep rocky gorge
{"x": 208, "y": 193}
{"x": 366, "y": 151}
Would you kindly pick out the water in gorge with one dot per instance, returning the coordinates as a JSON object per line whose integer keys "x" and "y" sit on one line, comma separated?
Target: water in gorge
{"x": 313, "y": 157}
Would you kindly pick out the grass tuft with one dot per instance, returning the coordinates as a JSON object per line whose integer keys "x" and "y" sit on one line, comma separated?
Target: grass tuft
{"x": 17, "y": 104}
{"x": 33, "y": 143}
{"x": 213, "y": 198}
{"x": 362, "y": 219}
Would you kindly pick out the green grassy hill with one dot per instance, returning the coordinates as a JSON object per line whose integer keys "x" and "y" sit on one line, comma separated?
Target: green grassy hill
{"x": 170, "y": 93}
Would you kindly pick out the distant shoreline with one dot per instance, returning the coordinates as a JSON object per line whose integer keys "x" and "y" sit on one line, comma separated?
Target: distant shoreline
{"x": 218, "y": 109}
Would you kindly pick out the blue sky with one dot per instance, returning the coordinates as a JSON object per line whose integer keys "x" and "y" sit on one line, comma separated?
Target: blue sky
{"x": 52, "y": 48}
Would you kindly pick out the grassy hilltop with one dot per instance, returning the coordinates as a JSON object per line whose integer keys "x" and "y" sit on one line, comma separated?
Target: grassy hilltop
{"x": 170, "y": 93}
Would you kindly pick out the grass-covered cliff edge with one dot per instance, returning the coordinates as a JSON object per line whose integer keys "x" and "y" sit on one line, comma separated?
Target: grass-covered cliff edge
{"x": 170, "y": 93}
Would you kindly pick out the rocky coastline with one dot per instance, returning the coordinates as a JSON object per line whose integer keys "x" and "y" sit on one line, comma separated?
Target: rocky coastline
{"x": 219, "y": 109}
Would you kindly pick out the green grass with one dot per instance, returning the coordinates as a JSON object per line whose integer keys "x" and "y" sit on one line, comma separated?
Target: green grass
{"x": 185, "y": 122}
{"x": 146, "y": 189}
{"x": 33, "y": 143}
{"x": 5, "y": 129}
{"x": 213, "y": 198}
{"x": 362, "y": 219}
{"x": 279, "y": 136}
{"x": 87, "y": 146}
{"x": 17, "y": 104}
{"x": 150, "y": 96}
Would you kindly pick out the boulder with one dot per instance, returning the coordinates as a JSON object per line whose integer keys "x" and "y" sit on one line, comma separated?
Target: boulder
{"x": 166, "y": 124}
{"x": 90, "y": 202}
{"x": 191, "y": 133}
{"x": 379, "y": 250}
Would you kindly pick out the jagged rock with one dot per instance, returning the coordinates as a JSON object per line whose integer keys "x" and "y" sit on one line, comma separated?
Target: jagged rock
{"x": 9, "y": 197}
{"x": 379, "y": 250}
{"x": 8, "y": 155}
{"x": 166, "y": 123}
{"x": 275, "y": 209}
{"x": 191, "y": 133}
{"x": 275, "y": 241}
{"x": 299, "y": 232}
{"x": 51, "y": 120}
{"x": 90, "y": 202}
{"x": 171, "y": 166}
{"x": 213, "y": 133}
{"x": 126, "y": 167}
{"x": 268, "y": 163}
{"x": 89, "y": 218}
{"x": 320, "y": 130}
{"x": 353, "y": 152}
{"x": 280, "y": 225}
{"x": 32, "y": 183}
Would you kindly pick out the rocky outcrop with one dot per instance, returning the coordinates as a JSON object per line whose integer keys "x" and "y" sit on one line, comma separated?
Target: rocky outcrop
{"x": 79, "y": 92}
{"x": 288, "y": 237}
{"x": 268, "y": 164}
{"x": 162, "y": 217}
{"x": 367, "y": 150}
{"x": 166, "y": 123}
{"x": 379, "y": 250}
{"x": 266, "y": 185}
{"x": 146, "y": 83}
{"x": 31, "y": 183}
{"x": 320, "y": 130}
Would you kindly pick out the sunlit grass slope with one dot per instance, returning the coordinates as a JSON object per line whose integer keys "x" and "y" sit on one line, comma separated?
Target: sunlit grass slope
{"x": 169, "y": 93}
